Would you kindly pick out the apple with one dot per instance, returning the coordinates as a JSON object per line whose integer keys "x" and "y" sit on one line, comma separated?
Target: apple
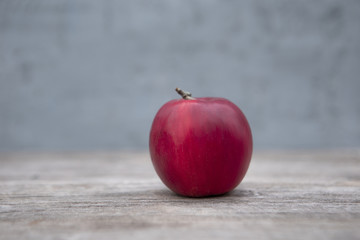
{"x": 200, "y": 146}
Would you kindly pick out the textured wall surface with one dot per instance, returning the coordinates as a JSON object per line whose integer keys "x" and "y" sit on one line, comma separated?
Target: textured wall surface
{"x": 92, "y": 74}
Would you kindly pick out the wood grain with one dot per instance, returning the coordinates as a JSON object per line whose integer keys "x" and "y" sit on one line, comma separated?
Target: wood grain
{"x": 285, "y": 195}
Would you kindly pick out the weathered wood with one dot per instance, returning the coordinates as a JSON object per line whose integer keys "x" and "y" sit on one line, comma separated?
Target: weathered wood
{"x": 285, "y": 195}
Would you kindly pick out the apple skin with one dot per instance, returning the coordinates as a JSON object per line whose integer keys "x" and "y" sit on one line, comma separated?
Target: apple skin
{"x": 200, "y": 147}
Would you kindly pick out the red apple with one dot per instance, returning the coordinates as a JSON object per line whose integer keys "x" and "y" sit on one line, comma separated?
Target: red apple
{"x": 200, "y": 146}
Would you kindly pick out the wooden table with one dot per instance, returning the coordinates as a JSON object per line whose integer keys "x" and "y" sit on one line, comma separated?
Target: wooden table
{"x": 285, "y": 195}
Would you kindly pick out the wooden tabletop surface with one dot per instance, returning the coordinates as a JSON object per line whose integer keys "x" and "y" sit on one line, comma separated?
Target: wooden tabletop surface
{"x": 117, "y": 195}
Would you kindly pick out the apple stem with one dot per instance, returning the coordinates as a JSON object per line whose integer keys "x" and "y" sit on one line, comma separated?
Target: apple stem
{"x": 184, "y": 95}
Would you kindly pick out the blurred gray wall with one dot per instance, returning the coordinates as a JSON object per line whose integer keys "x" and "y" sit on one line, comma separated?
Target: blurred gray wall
{"x": 79, "y": 75}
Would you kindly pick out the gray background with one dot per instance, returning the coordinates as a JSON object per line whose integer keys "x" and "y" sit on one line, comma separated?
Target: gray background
{"x": 90, "y": 75}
